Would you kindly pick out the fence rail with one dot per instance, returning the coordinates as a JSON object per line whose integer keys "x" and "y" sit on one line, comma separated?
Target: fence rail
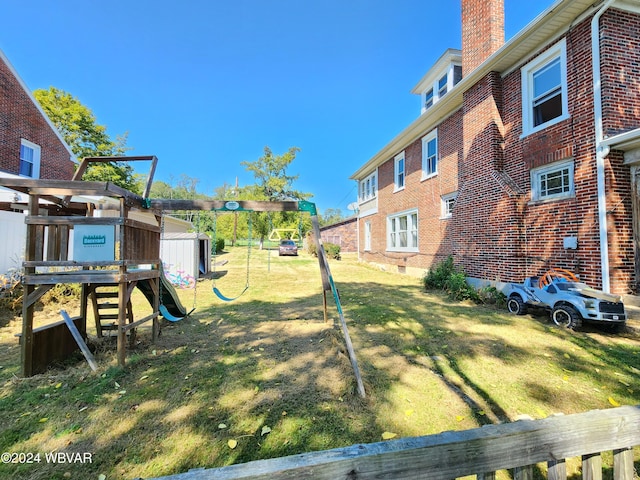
{"x": 481, "y": 451}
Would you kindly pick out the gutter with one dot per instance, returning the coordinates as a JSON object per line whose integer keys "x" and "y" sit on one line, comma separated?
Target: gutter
{"x": 602, "y": 149}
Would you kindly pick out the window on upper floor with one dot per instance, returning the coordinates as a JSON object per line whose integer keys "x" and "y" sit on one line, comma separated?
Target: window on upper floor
{"x": 553, "y": 181}
{"x": 428, "y": 98}
{"x": 368, "y": 188}
{"x": 544, "y": 89}
{"x": 448, "y": 202}
{"x": 441, "y": 86}
{"x": 29, "y": 159}
{"x": 398, "y": 172}
{"x": 430, "y": 155}
{"x": 402, "y": 231}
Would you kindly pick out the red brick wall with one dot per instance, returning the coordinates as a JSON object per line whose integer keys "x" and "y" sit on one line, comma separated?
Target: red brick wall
{"x": 19, "y": 118}
{"x": 343, "y": 234}
{"x": 497, "y": 232}
{"x": 482, "y": 31}
{"x": 620, "y": 47}
{"x": 425, "y": 195}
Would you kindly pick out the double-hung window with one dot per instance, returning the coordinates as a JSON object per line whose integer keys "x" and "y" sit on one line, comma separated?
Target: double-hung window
{"x": 402, "y": 232}
{"x": 552, "y": 181}
{"x": 368, "y": 188}
{"x": 398, "y": 171}
{"x": 544, "y": 89}
{"x": 29, "y": 159}
{"x": 428, "y": 98}
{"x": 430, "y": 154}
{"x": 442, "y": 86}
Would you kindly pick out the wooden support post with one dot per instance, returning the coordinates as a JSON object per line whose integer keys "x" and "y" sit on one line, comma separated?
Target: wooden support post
{"x": 26, "y": 353}
{"x": 324, "y": 305}
{"x": 123, "y": 298}
{"x": 327, "y": 281}
{"x": 122, "y": 321}
{"x": 155, "y": 287}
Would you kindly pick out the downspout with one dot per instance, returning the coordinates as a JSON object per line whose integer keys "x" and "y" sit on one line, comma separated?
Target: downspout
{"x": 601, "y": 150}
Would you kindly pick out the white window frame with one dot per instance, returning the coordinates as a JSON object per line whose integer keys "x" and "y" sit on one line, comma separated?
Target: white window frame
{"x": 427, "y": 172}
{"x": 436, "y": 90}
{"x": 367, "y": 236}
{"x": 395, "y": 231}
{"x": 399, "y": 176}
{"x": 35, "y": 162}
{"x": 558, "y": 51}
{"x": 540, "y": 174}
{"x": 448, "y": 203}
{"x": 369, "y": 187}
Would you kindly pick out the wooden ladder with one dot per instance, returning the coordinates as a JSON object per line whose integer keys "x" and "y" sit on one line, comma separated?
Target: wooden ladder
{"x": 105, "y": 310}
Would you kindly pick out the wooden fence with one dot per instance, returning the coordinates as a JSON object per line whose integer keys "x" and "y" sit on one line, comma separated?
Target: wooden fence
{"x": 517, "y": 447}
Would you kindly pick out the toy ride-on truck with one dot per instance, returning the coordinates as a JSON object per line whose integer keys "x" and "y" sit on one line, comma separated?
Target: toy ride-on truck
{"x": 569, "y": 301}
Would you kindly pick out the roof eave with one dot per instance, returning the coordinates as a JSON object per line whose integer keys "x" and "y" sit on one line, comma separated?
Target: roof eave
{"x": 543, "y": 29}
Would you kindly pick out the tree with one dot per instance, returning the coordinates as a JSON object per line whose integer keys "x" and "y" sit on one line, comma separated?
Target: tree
{"x": 77, "y": 125}
{"x": 331, "y": 216}
{"x": 270, "y": 172}
{"x": 273, "y": 184}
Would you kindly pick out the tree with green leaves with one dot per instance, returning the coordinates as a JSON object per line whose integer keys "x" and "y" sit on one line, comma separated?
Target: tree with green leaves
{"x": 331, "y": 216}
{"x": 273, "y": 183}
{"x": 78, "y": 126}
{"x": 270, "y": 172}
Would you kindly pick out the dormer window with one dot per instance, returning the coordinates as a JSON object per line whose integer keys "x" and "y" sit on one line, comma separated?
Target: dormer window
{"x": 442, "y": 85}
{"x": 438, "y": 81}
{"x": 428, "y": 98}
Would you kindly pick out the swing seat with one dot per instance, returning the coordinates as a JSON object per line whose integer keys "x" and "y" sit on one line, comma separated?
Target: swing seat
{"x": 228, "y": 299}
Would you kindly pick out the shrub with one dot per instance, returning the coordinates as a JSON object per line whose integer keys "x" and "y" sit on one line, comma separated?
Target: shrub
{"x": 492, "y": 296}
{"x": 62, "y": 293}
{"x": 219, "y": 245}
{"x": 447, "y": 277}
{"x": 331, "y": 249}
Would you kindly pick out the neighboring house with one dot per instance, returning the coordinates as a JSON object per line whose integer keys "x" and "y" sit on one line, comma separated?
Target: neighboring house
{"x": 524, "y": 156}
{"x": 342, "y": 233}
{"x": 30, "y": 146}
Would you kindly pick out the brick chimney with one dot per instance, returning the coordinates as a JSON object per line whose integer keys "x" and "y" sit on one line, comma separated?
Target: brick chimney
{"x": 482, "y": 31}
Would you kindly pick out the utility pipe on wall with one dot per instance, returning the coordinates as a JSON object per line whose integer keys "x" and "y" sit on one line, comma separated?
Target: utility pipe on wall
{"x": 601, "y": 150}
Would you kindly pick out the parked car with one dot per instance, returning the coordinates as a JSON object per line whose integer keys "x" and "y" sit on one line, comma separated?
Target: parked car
{"x": 569, "y": 301}
{"x": 287, "y": 247}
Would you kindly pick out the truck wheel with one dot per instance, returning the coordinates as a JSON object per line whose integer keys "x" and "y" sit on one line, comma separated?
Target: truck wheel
{"x": 516, "y": 305}
{"x": 566, "y": 316}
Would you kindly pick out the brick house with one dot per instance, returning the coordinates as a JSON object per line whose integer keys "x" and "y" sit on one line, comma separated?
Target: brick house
{"x": 30, "y": 146}
{"x": 524, "y": 156}
{"x": 342, "y": 233}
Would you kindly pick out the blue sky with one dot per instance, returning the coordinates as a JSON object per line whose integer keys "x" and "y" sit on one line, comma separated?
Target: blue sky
{"x": 206, "y": 84}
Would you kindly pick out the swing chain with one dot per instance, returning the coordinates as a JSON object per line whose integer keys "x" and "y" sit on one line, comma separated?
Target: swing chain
{"x": 249, "y": 249}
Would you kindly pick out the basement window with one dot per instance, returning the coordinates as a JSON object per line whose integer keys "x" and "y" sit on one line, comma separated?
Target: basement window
{"x": 544, "y": 90}
{"x": 553, "y": 181}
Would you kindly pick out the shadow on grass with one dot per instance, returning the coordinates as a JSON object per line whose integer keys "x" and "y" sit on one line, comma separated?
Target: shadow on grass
{"x": 250, "y": 380}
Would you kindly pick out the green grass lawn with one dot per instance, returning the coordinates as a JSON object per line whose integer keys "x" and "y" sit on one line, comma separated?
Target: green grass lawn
{"x": 267, "y": 376}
